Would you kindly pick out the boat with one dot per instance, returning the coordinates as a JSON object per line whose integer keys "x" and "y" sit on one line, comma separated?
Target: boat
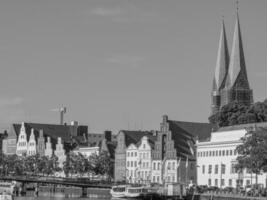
{"x": 7, "y": 190}
{"x": 128, "y": 191}
{"x": 118, "y": 191}
{"x": 135, "y": 191}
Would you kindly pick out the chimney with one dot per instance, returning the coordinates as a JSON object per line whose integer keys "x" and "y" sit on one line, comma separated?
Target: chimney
{"x": 107, "y": 135}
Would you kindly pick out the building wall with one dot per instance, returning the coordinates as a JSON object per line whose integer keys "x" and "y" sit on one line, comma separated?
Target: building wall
{"x": 22, "y": 144}
{"x": 145, "y": 157}
{"x": 60, "y": 153}
{"x": 120, "y": 158}
{"x": 87, "y": 151}
{"x": 216, "y": 160}
{"x": 31, "y": 144}
{"x": 132, "y": 162}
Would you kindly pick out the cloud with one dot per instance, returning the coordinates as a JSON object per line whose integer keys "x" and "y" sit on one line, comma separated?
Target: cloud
{"x": 4, "y": 102}
{"x": 133, "y": 62}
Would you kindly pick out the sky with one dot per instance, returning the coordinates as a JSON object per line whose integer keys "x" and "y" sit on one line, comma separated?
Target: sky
{"x": 120, "y": 64}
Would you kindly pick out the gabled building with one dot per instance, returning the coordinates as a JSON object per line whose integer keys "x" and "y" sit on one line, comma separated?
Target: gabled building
{"x": 32, "y": 147}
{"x": 173, "y": 157}
{"x": 124, "y": 139}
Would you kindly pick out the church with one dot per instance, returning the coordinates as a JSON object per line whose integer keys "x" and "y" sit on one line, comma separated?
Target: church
{"x": 217, "y": 157}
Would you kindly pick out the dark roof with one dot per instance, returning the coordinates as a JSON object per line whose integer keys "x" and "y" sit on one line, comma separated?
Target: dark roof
{"x": 54, "y": 131}
{"x": 199, "y": 130}
{"x": 184, "y": 135}
{"x": 134, "y": 136}
{"x": 242, "y": 126}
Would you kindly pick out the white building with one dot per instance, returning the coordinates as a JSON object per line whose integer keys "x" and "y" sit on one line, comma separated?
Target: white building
{"x": 216, "y": 159}
{"x": 22, "y": 144}
{"x": 48, "y": 148}
{"x": 31, "y": 144}
{"x": 87, "y": 151}
{"x": 132, "y": 162}
{"x": 144, "y": 151}
{"x": 60, "y": 152}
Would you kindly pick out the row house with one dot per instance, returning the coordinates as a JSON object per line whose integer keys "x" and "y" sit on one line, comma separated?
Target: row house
{"x": 166, "y": 156}
{"x": 138, "y": 161}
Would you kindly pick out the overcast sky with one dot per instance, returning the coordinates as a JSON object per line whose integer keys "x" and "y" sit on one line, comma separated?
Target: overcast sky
{"x": 119, "y": 64}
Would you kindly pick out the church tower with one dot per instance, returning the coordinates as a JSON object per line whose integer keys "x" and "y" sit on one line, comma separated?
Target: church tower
{"x": 221, "y": 70}
{"x": 230, "y": 83}
{"x": 236, "y": 87}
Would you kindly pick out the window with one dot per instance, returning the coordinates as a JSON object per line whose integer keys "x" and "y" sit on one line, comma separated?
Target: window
{"x": 227, "y": 152}
{"x": 131, "y": 163}
{"x": 213, "y": 153}
{"x": 135, "y": 154}
{"x": 210, "y": 153}
{"x": 131, "y": 154}
{"x": 154, "y": 179}
{"x": 223, "y": 169}
{"x": 230, "y": 182}
{"x": 158, "y": 179}
{"x": 248, "y": 182}
{"x": 209, "y": 182}
{"x": 144, "y": 146}
{"x": 216, "y": 182}
{"x": 128, "y": 164}
{"x": 154, "y": 166}
{"x": 222, "y": 182}
{"x": 210, "y": 169}
{"x": 223, "y": 152}
{"x": 231, "y": 152}
{"x": 233, "y": 170}
{"x": 173, "y": 178}
{"x": 135, "y": 163}
{"x": 173, "y": 165}
{"x": 158, "y": 166}
{"x": 203, "y": 169}
{"x": 220, "y": 153}
{"x": 216, "y": 169}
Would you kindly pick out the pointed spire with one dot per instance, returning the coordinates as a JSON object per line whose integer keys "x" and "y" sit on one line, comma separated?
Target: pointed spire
{"x": 222, "y": 61}
{"x": 237, "y": 62}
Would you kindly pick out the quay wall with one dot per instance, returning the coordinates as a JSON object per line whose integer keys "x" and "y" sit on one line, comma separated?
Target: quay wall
{"x": 226, "y": 197}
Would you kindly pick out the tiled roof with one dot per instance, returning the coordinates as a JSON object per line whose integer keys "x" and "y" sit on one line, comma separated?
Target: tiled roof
{"x": 134, "y": 136}
{"x": 199, "y": 130}
{"x": 184, "y": 135}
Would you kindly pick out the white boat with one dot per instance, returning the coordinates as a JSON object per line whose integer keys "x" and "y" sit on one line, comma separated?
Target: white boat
{"x": 7, "y": 190}
{"x": 127, "y": 191}
{"x": 135, "y": 191}
{"x": 118, "y": 191}
{"x": 4, "y": 196}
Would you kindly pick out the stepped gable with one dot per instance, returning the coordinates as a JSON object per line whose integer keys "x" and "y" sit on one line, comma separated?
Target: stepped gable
{"x": 54, "y": 131}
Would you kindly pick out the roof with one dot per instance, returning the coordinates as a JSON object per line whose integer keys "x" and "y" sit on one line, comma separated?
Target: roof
{"x": 134, "y": 136}
{"x": 222, "y": 62}
{"x": 54, "y": 131}
{"x": 199, "y": 130}
{"x": 184, "y": 135}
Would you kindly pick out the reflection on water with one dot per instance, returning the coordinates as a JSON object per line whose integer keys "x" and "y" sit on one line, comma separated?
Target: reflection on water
{"x": 93, "y": 195}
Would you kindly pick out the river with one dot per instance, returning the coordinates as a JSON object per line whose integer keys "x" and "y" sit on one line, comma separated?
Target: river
{"x": 93, "y": 194}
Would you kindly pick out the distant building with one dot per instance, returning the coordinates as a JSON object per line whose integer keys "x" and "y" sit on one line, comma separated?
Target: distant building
{"x": 48, "y": 148}
{"x": 216, "y": 158}
{"x": 60, "y": 152}
{"x": 19, "y": 135}
{"x": 87, "y": 151}
{"x": 32, "y": 147}
{"x": 3, "y": 136}
{"x": 41, "y": 143}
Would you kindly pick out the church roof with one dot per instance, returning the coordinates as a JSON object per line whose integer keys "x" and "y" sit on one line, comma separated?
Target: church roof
{"x": 237, "y": 74}
{"x": 222, "y": 62}
{"x": 184, "y": 135}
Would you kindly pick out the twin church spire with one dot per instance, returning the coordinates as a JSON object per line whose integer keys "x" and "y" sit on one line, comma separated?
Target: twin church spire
{"x": 230, "y": 83}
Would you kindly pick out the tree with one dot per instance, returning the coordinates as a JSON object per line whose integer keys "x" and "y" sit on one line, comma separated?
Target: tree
{"x": 102, "y": 164}
{"x": 253, "y": 151}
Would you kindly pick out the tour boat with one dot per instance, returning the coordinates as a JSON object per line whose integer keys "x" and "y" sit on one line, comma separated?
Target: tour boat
{"x": 135, "y": 191}
{"x": 118, "y": 191}
{"x": 7, "y": 190}
{"x": 127, "y": 191}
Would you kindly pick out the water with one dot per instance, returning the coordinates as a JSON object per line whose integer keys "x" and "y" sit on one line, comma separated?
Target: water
{"x": 70, "y": 193}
